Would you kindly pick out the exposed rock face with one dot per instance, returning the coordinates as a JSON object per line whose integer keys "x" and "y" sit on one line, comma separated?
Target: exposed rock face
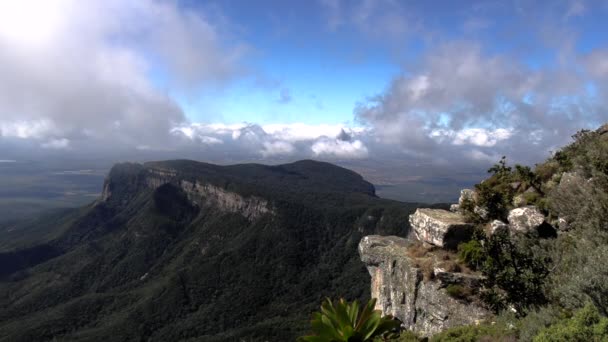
{"x": 498, "y": 226}
{"x": 455, "y": 208}
{"x": 525, "y": 219}
{"x": 206, "y": 194}
{"x": 440, "y": 227}
{"x": 423, "y": 306}
{"x": 202, "y": 194}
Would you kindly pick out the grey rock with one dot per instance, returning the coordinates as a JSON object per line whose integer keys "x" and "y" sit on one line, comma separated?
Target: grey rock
{"x": 562, "y": 223}
{"x": 440, "y": 227}
{"x": 481, "y": 211}
{"x": 525, "y": 219}
{"x": 498, "y": 226}
{"x": 424, "y": 307}
{"x": 455, "y": 208}
{"x": 466, "y": 194}
{"x": 203, "y": 194}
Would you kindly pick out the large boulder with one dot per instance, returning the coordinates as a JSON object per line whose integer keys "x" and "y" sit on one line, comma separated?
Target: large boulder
{"x": 440, "y": 227}
{"x": 525, "y": 219}
{"x": 423, "y": 306}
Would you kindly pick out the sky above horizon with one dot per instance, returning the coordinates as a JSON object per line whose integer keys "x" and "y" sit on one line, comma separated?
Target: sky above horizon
{"x": 440, "y": 82}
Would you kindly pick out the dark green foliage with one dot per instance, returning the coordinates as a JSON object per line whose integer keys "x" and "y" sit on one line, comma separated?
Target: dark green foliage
{"x": 343, "y": 321}
{"x": 404, "y": 336}
{"x": 586, "y": 325}
{"x": 474, "y": 333}
{"x": 500, "y": 170}
{"x": 472, "y": 253}
{"x": 514, "y": 276}
{"x": 148, "y": 265}
{"x": 458, "y": 291}
{"x": 496, "y": 193}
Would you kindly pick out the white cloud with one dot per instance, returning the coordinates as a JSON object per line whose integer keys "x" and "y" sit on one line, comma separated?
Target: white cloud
{"x": 56, "y": 144}
{"x": 275, "y": 148}
{"x": 80, "y": 70}
{"x": 339, "y": 148}
{"x": 460, "y": 99}
{"x": 297, "y": 140}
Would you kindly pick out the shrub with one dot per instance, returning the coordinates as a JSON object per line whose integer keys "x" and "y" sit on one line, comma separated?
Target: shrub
{"x": 514, "y": 275}
{"x": 471, "y": 253}
{"x": 343, "y": 321}
{"x": 482, "y": 332}
{"x": 585, "y": 325}
{"x": 458, "y": 291}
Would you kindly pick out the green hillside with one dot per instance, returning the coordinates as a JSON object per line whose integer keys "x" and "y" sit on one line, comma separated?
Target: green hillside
{"x": 150, "y": 264}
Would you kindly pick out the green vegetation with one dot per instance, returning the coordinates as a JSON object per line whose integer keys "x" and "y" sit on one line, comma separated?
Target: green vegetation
{"x": 148, "y": 265}
{"x": 472, "y": 253}
{"x": 515, "y": 277}
{"x": 343, "y": 321}
{"x": 482, "y": 332}
{"x": 548, "y": 287}
{"x": 586, "y": 325}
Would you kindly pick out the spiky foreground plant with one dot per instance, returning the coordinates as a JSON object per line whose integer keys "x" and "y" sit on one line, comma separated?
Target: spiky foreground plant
{"x": 343, "y": 322}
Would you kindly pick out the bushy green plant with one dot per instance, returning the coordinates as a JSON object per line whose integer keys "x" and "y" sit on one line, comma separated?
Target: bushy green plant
{"x": 586, "y": 325}
{"x": 471, "y": 253}
{"x": 458, "y": 291}
{"x": 343, "y": 321}
{"x": 471, "y": 333}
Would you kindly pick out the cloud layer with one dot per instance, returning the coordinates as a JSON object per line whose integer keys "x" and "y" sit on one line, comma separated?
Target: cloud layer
{"x": 463, "y": 101}
{"x": 91, "y": 72}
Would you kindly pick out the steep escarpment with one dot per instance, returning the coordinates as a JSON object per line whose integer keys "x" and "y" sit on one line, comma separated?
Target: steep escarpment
{"x": 198, "y": 191}
{"x": 398, "y": 282}
{"x": 181, "y": 250}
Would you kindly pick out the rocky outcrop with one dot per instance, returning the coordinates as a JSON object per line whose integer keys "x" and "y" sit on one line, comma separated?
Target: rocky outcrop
{"x": 525, "y": 219}
{"x": 422, "y": 305}
{"x": 208, "y": 195}
{"x": 498, "y": 226}
{"x": 466, "y": 195}
{"x": 440, "y": 227}
{"x": 198, "y": 192}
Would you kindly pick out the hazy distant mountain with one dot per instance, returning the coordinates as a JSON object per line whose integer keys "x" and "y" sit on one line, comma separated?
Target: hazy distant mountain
{"x": 182, "y": 250}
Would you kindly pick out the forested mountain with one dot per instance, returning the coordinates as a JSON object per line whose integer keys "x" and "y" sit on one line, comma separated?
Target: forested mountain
{"x": 183, "y": 250}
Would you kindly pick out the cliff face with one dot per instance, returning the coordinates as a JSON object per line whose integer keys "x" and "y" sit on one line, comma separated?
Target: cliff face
{"x": 199, "y": 193}
{"x": 398, "y": 283}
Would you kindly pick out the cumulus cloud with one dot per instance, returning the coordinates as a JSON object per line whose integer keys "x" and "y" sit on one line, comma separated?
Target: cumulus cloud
{"x": 295, "y": 140}
{"x": 79, "y": 71}
{"x": 376, "y": 18}
{"x": 463, "y": 101}
{"x": 339, "y": 148}
{"x": 274, "y": 148}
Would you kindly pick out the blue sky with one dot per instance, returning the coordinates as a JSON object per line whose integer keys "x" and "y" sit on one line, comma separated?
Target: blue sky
{"x": 327, "y": 67}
